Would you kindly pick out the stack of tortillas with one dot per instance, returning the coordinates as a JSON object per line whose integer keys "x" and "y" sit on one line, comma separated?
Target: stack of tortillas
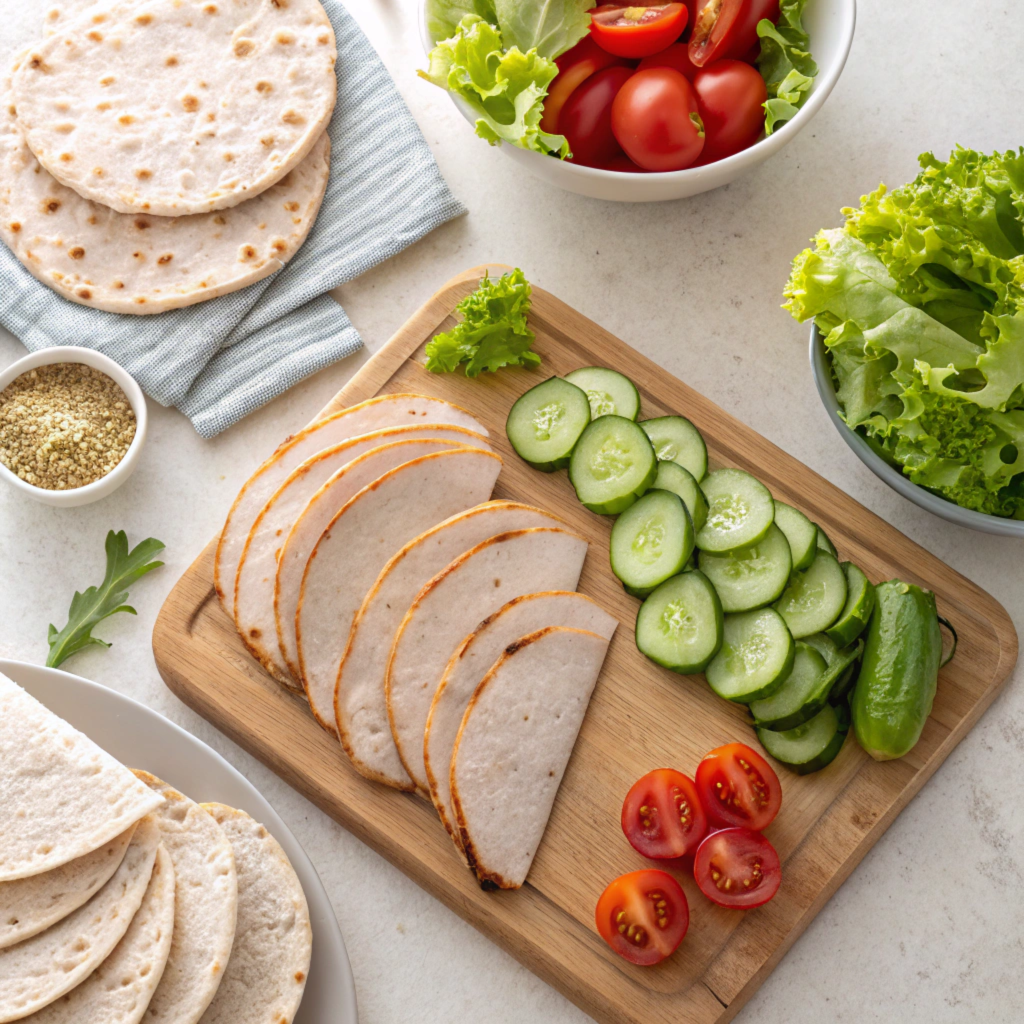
{"x": 121, "y": 899}
{"x": 158, "y": 153}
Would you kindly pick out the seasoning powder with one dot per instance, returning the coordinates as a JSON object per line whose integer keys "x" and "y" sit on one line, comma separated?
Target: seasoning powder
{"x": 64, "y": 425}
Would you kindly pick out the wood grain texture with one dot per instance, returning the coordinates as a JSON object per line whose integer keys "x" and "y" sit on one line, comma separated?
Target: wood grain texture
{"x": 641, "y": 716}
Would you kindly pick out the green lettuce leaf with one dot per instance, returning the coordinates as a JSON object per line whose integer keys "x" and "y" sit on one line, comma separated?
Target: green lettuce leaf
{"x": 493, "y": 332}
{"x": 443, "y": 16}
{"x": 785, "y": 63}
{"x": 505, "y": 89}
{"x": 548, "y": 26}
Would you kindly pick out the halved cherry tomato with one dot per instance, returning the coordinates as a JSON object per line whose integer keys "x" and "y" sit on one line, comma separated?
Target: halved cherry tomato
{"x": 643, "y": 916}
{"x": 662, "y": 816}
{"x": 728, "y": 28}
{"x": 586, "y": 119}
{"x": 730, "y": 95}
{"x": 637, "y": 31}
{"x": 737, "y": 867}
{"x": 675, "y": 56}
{"x": 738, "y": 788}
{"x": 656, "y": 121}
{"x": 575, "y": 66}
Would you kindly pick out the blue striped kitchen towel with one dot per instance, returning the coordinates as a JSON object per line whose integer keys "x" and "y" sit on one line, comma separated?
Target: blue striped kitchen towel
{"x": 219, "y": 360}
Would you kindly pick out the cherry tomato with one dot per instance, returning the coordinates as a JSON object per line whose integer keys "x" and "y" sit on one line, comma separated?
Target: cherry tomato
{"x": 728, "y": 28}
{"x": 737, "y": 867}
{"x": 662, "y": 816}
{"x": 730, "y": 95}
{"x": 643, "y": 916}
{"x": 675, "y": 56}
{"x": 637, "y": 31}
{"x": 575, "y": 66}
{"x": 586, "y": 119}
{"x": 622, "y": 163}
{"x": 656, "y": 121}
{"x": 738, "y": 788}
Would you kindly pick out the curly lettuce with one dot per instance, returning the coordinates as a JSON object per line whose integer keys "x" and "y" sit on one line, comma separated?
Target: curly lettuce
{"x": 785, "y": 63}
{"x": 920, "y": 297}
{"x": 493, "y": 332}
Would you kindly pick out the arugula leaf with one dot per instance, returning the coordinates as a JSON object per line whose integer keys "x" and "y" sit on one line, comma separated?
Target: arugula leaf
{"x": 493, "y": 332}
{"x": 89, "y": 609}
{"x": 785, "y": 63}
{"x": 443, "y": 16}
{"x": 549, "y": 26}
{"x": 506, "y": 90}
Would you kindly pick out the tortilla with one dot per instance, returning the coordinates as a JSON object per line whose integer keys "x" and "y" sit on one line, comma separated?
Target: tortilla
{"x": 474, "y": 658}
{"x": 178, "y": 107}
{"x": 382, "y": 411}
{"x": 205, "y": 904}
{"x": 41, "y": 969}
{"x": 361, "y": 711}
{"x": 139, "y": 263}
{"x": 119, "y": 990}
{"x": 357, "y": 544}
{"x": 62, "y": 796}
{"x": 31, "y": 905}
{"x": 450, "y": 607}
{"x": 269, "y": 964}
{"x": 513, "y": 747}
{"x": 257, "y": 573}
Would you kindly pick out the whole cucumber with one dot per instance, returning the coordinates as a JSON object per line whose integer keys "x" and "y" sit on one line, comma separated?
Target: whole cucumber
{"x": 896, "y": 685}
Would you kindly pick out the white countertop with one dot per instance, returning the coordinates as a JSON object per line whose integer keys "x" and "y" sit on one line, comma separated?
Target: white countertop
{"x": 928, "y": 929}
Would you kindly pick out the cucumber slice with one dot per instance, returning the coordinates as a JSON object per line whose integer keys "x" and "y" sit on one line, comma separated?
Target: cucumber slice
{"x": 860, "y": 603}
{"x": 544, "y": 424}
{"x": 841, "y": 664}
{"x": 814, "y": 598}
{"x": 824, "y": 544}
{"x": 609, "y": 392}
{"x": 612, "y": 464}
{"x": 672, "y": 477}
{"x": 651, "y": 541}
{"x": 756, "y": 656}
{"x": 740, "y": 511}
{"x": 847, "y": 678}
{"x": 676, "y": 439}
{"x": 801, "y": 533}
{"x": 824, "y": 645}
{"x": 750, "y": 577}
{"x": 784, "y": 708}
{"x": 680, "y": 624}
{"x": 810, "y": 746}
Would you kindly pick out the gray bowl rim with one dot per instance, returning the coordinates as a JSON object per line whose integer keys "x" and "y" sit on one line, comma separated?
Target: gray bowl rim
{"x": 897, "y": 481}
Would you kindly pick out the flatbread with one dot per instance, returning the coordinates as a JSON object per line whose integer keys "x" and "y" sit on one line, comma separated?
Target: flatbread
{"x": 357, "y": 544}
{"x": 205, "y": 905}
{"x": 309, "y": 527}
{"x": 373, "y": 414}
{"x": 514, "y": 745}
{"x": 31, "y": 905}
{"x": 139, "y": 263}
{"x": 62, "y": 796}
{"x": 360, "y": 706}
{"x": 269, "y": 964}
{"x": 119, "y": 990}
{"x": 450, "y": 607}
{"x": 257, "y": 573}
{"x": 474, "y": 658}
{"x": 178, "y": 107}
{"x": 39, "y": 970}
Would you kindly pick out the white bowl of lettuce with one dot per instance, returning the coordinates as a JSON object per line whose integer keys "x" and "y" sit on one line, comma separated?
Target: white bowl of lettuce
{"x": 548, "y": 28}
{"x": 917, "y": 341}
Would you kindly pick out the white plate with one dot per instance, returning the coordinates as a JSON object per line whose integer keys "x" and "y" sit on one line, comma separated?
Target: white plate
{"x": 140, "y": 738}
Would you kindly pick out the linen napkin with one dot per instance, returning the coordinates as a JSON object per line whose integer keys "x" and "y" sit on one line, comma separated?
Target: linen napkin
{"x": 220, "y": 360}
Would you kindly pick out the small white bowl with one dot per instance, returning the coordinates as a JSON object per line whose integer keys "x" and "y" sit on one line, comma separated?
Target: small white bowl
{"x": 830, "y": 25}
{"x": 124, "y": 469}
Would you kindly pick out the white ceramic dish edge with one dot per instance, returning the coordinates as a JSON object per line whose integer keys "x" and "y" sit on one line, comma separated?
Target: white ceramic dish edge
{"x": 893, "y": 477}
{"x": 140, "y": 737}
{"x": 124, "y": 469}
{"x": 830, "y": 24}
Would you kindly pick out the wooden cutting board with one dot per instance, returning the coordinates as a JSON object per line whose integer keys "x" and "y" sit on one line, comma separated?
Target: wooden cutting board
{"x": 641, "y": 717}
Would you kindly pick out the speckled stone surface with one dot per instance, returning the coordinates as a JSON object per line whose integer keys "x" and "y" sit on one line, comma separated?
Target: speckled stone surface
{"x": 929, "y": 929}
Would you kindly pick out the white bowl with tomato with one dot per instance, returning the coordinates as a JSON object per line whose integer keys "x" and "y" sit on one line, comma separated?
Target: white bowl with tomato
{"x": 665, "y": 101}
